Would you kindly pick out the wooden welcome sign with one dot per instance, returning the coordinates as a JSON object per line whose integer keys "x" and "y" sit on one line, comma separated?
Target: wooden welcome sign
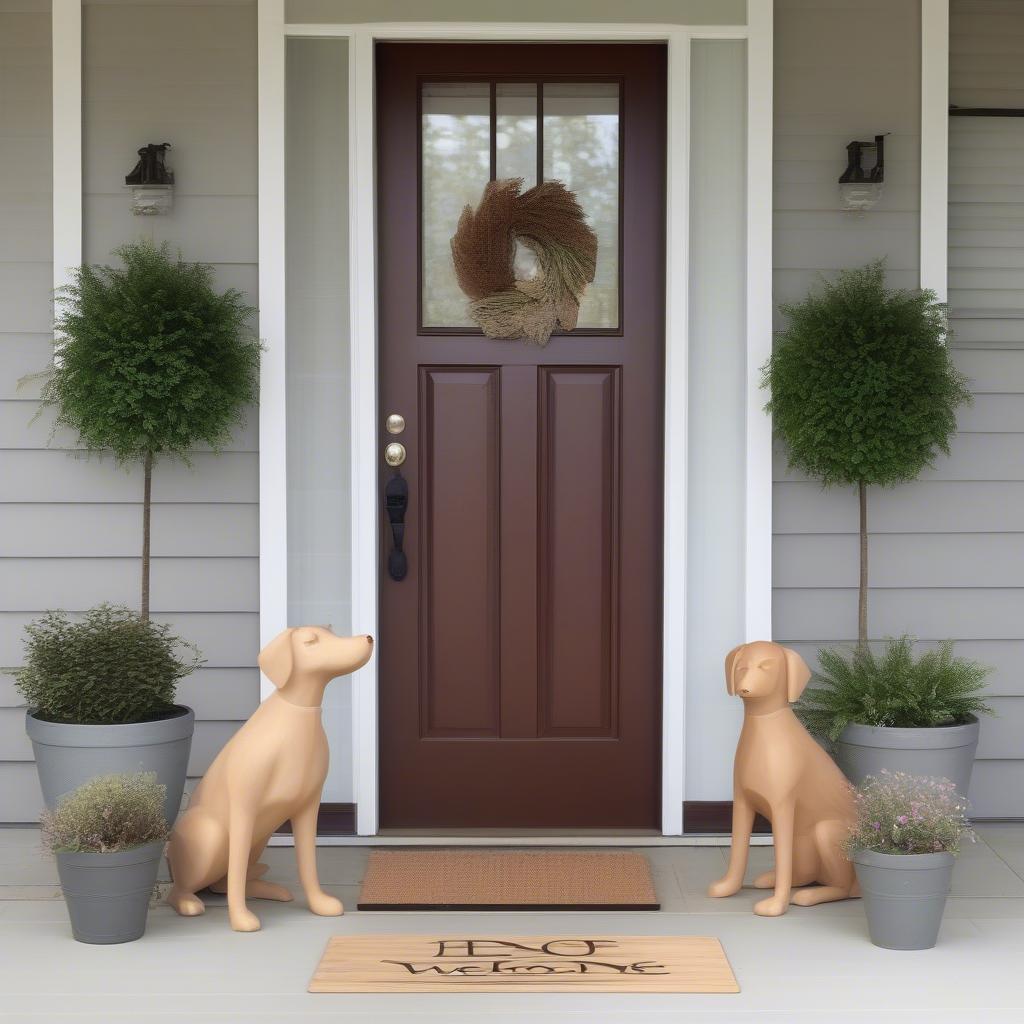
{"x": 425, "y": 963}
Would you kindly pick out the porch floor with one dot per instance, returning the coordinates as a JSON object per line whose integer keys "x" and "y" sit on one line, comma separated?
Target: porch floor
{"x": 815, "y": 964}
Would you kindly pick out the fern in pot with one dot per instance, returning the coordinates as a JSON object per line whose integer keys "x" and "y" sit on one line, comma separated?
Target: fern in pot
{"x": 897, "y": 712}
{"x": 108, "y": 837}
{"x": 101, "y": 700}
{"x": 152, "y": 361}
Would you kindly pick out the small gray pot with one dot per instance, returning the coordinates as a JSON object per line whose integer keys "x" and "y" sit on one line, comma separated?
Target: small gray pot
{"x": 108, "y": 894}
{"x": 904, "y": 896}
{"x": 68, "y": 755}
{"x": 946, "y": 751}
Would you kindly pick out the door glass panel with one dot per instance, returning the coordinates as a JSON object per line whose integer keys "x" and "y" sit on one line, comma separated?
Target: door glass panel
{"x": 581, "y": 149}
{"x": 576, "y": 124}
{"x": 456, "y": 129}
{"x": 515, "y": 147}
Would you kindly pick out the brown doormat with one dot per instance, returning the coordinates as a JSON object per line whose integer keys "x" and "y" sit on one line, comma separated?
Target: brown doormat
{"x": 506, "y": 880}
{"x": 576, "y": 963}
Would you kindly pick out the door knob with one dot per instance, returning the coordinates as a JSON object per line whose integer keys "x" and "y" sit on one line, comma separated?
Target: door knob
{"x": 395, "y": 423}
{"x": 394, "y": 453}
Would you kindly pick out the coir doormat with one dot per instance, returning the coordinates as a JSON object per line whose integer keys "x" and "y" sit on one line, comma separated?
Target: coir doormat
{"x": 506, "y": 880}
{"x": 575, "y": 963}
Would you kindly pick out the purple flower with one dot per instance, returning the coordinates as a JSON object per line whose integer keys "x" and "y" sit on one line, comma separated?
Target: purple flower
{"x": 903, "y": 819}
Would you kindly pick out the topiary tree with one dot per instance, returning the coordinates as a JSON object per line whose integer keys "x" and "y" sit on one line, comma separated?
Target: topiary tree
{"x": 152, "y": 361}
{"x": 863, "y": 390}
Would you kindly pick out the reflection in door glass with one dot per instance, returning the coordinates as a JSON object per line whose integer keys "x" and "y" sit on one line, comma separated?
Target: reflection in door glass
{"x": 456, "y": 166}
{"x": 515, "y": 149}
{"x": 581, "y": 149}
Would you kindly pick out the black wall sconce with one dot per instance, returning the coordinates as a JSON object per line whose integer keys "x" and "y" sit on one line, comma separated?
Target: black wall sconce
{"x": 151, "y": 183}
{"x": 860, "y": 189}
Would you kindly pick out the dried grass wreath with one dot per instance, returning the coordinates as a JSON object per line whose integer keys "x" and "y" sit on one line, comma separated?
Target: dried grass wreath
{"x": 549, "y": 220}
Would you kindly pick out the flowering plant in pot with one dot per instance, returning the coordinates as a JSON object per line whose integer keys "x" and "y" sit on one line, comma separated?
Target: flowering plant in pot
{"x": 101, "y": 700}
{"x": 895, "y": 712}
{"x": 108, "y": 837}
{"x": 903, "y": 845}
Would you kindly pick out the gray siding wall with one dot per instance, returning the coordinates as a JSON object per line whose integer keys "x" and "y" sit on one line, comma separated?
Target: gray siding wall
{"x": 70, "y": 527}
{"x": 947, "y": 554}
{"x": 26, "y": 275}
{"x": 986, "y": 299}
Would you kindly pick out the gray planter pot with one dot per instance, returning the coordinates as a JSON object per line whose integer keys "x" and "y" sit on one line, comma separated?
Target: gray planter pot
{"x": 904, "y": 896}
{"x": 68, "y": 755}
{"x": 946, "y": 751}
{"x": 108, "y": 894}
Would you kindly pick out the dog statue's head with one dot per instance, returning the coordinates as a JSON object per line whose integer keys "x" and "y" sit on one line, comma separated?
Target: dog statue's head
{"x": 764, "y": 669}
{"x": 313, "y": 650}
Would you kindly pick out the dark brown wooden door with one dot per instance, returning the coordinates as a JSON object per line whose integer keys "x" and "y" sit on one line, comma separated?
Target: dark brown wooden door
{"x": 520, "y": 657}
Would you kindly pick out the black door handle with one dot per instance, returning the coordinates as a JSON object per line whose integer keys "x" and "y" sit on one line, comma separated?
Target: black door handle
{"x": 396, "y": 501}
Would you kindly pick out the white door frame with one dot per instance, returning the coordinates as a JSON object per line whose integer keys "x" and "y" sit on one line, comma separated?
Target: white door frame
{"x": 365, "y": 495}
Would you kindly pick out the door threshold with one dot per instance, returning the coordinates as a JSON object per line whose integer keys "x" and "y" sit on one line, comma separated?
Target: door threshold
{"x": 503, "y": 837}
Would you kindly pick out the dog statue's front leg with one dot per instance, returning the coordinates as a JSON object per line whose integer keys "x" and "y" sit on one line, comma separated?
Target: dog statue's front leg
{"x": 304, "y": 831}
{"x": 742, "y": 826}
{"x": 783, "y": 821}
{"x": 240, "y": 829}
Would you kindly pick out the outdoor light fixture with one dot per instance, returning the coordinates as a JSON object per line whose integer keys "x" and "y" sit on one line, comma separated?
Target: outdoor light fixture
{"x": 859, "y": 190}
{"x": 151, "y": 183}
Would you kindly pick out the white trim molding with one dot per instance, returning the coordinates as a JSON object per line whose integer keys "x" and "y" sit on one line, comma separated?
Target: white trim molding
{"x": 758, "y": 546}
{"x": 677, "y": 320}
{"x": 365, "y": 495}
{"x": 273, "y": 488}
{"x": 934, "y": 231}
{"x": 66, "y": 30}
{"x": 363, "y": 342}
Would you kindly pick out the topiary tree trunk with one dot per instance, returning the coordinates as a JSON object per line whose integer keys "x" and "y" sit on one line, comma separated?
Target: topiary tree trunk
{"x": 147, "y": 512}
{"x": 862, "y": 592}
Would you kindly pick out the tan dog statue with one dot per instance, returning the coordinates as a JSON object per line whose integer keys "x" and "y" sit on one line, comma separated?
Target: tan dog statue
{"x": 270, "y": 771}
{"x": 782, "y": 773}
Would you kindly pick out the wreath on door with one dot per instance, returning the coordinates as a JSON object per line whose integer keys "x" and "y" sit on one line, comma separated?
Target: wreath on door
{"x": 549, "y": 221}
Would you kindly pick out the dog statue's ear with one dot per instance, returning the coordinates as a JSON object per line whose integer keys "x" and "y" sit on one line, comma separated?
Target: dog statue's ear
{"x": 797, "y": 674}
{"x": 730, "y": 665}
{"x": 275, "y": 660}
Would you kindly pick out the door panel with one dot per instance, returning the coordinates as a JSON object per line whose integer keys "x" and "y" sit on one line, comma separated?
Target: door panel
{"x": 520, "y": 670}
{"x": 459, "y": 606}
{"x": 578, "y": 542}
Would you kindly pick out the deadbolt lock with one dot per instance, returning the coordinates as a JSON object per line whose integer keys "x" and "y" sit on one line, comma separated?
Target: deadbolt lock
{"x": 395, "y": 423}
{"x": 394, "y": 454}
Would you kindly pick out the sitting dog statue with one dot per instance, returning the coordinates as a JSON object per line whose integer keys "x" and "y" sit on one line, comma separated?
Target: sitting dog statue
{"x": 782, "y": 773}
{"x": 270, "y": 771}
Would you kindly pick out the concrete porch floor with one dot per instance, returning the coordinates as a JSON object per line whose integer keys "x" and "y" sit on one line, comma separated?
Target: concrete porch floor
{"x": 815, "y": 964}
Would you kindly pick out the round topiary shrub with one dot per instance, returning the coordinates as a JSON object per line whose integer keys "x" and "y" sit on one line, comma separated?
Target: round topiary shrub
{"x": 112, "y": 667}
{"x": 863, "y": 389}
{"x": 106, "y": 815}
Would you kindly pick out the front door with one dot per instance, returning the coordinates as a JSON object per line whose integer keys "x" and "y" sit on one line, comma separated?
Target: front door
{"x": 520, "y": 655}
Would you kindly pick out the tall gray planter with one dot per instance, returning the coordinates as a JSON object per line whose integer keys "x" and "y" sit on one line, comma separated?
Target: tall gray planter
{"x": 108, "y": 894}
{"x": 945, "y": 751}
{"x": 904, "y": 896}
{"x": 68, "y": 755}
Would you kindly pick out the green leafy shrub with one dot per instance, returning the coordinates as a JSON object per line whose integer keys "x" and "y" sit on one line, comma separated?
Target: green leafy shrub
{"x": 863, "y": 389}
{"x": 107, "y": 814}
{"x": 112, "y": 667}
{"x": 908, "y": 814}
{"x": 153, "y": 361}
{"x": 893, "y": 690}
